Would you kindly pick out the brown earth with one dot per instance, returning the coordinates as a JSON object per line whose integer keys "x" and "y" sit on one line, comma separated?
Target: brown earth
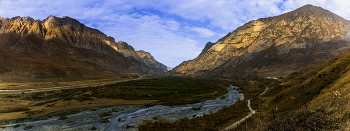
{"x": 150, "y": 91}
{"x": 313, "y": 98}
{"x": 272, "y": 47}
{"x": 65, "y": 48}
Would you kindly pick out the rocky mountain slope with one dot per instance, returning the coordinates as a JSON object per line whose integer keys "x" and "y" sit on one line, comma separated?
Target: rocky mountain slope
{"x": 272, "y": 47}
{"x": 321, "y": 89}
{"x": 61, "y": 47}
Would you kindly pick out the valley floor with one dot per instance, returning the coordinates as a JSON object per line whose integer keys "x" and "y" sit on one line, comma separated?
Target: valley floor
{"x": 61, "y": 103}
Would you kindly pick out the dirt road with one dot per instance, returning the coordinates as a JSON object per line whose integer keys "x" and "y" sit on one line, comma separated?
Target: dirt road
{"x": 234, "y": 125}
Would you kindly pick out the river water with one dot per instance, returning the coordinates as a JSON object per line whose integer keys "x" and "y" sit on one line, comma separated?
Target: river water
{"x": 130, "y": 115}
{"x": 172, "y": 113}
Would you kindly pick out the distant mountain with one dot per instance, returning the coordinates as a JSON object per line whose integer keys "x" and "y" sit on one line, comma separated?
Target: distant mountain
{"x": 64, "y": 47}
{"x": 272, "y": 47}
{"x": 170, "y": 68}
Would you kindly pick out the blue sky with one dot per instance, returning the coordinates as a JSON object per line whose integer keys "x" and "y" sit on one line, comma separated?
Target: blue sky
{"x": 171, "y": 30}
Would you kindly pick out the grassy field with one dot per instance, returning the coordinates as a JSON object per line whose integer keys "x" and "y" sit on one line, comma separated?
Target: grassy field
{"x": 168, "y": 90}
{"x": 57, "y": 83}
{"x": 314, "y": 98}
{"x": 215, "y": 121}
{"x": 150, "y": 91}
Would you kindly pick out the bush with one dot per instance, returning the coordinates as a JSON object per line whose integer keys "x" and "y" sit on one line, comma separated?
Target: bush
{"x": 207, "y": 122}
{"x": 104, "y": 114}
{"x": 28, "y": 127}
{"x": 15, "y": 126}
{"x": 14, "y": 109}
{"x": 196, "y": 108}
{"x": 84, "y": 97}
{"x": 316, "y": 121}
{"x": 63, "y": 118}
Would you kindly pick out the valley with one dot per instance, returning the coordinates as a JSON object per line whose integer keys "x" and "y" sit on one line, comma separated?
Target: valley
{"x": 287, "y": 72}
{"x": 146, "y": 91}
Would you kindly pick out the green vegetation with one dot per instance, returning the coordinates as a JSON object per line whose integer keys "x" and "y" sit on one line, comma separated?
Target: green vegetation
{"x": 129, "y": 126}
{"x": 28, "y": 127}
{"x": 206, "y": 123}
{"x": 151, "y": 90}
{"x": 15, "y": 126}
{"x": 63, "y": 118}
{"x": 63, "y": 114}
{"x": 196, "y": 108}
{"x": 104, "y": 114}
{"x": 13, "y": 109}
{"x": 306, "y": 120}
{"x": 169, "y": 90}
{"x": 214, "y": 121}
{"x": 306, "y": 100}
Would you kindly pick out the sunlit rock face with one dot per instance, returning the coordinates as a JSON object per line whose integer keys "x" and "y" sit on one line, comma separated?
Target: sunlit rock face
{"x": 69, "y": 41}
{"x": 140, "y": 56}
{"x": 272, "y": 46}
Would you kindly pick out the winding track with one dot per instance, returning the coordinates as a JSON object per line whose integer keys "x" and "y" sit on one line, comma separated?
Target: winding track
{"x": 234, "y": 125}
{"x": 62, "y": 87}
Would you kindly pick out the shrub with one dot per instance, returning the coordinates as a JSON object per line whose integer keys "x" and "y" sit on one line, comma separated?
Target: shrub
{"x": 63, "y": 118}
{"x": 14, "y": 109}
{"x": 28, "y": 127}
{"x": 316, "y": 121}
{"x": 196, "y": 108}
{"x": 104, "y": 114}
{"x": 15, "y": 126}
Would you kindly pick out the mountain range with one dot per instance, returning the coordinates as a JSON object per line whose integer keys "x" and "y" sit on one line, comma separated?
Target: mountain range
{"x": 305, "y": 52}
{"x": 272, "y": 47}
{"x": 64, "y": 47}
{"x": 315, "y": 97}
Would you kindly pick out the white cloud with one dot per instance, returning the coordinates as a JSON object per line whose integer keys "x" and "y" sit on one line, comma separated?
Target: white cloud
{"x": 226, "y": 14}
{"x": 339, "y": 7}
{"x": 163, "y": 27}
{"x": 202, "y": 32}
{"x": 172, "y": 25}
{"x": 152, "y": 34}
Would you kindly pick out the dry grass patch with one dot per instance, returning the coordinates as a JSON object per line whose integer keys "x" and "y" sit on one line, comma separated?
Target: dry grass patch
{"x": 152, "y": 91}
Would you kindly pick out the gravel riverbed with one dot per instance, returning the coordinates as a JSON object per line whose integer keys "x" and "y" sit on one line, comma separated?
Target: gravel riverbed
{"x": 117, "y": 118}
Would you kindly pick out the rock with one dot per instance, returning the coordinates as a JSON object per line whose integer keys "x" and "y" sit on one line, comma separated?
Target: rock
{"x": 69, "y": 41}
{"x": 309, "y": 28}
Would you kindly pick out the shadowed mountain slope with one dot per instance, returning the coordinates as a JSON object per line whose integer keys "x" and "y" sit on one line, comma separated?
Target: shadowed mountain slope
{"x": 63, "y": 47}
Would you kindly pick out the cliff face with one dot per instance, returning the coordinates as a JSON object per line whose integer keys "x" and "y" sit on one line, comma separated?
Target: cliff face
{"x": 273, "y": 46}
{"x": 141, "y": 57}
{"x": 68, "y": 41}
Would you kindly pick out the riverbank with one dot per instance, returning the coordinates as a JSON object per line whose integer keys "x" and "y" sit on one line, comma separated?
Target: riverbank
{"x": 153, "y": 91}
{"x": 215, "y": 121}
{"x": 234, "y": 125}
{"x": 126, "y": 117}
{"x": 95, "y": 118}
{"x": 172, "y": 113}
